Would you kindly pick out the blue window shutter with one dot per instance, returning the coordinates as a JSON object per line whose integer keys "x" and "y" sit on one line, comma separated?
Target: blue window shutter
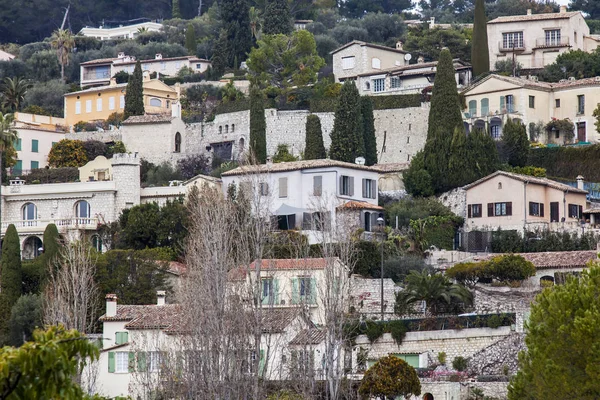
{"x": 313, "y": 290}
{"x": 276, "y": 291}
{"x": 111, "y": 361}
{"x": 295, "y": 293}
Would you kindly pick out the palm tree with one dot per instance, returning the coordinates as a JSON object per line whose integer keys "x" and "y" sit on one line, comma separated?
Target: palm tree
{"x": 142, "y": 30}
{"x": 8, "y": 137}
{"x": 62, "y": 40}
{"x": 255, "y": 22}
{"x": 435, "y": 290}
{"x": 14, "y": 90}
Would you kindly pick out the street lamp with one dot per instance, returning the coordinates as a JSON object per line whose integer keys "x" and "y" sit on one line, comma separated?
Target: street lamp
{"x": 380, "y": 222}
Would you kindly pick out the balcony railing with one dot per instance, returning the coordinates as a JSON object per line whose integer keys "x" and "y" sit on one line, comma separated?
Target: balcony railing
{"x": 95, "y": 76}
{"x": 40, "y": 224}
{"x": 502, "y": 46}
{"x": 548, "y": 42}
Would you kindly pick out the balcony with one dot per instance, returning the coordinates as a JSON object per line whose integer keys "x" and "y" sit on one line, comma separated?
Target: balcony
{"x": 39, "y": 225}
{"x": 95, "y": 76}
{"x": 510, "y": 46}
{"x": 544, "y": 43}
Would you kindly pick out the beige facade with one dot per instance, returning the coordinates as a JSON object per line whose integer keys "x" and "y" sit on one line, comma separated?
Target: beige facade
{"x": 515, "y": 202}
{"x": 535, "y": 40}
{"x": 495, "y": 99}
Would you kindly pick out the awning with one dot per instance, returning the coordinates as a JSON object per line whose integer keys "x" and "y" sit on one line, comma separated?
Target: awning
{"x": 285, "y": 209}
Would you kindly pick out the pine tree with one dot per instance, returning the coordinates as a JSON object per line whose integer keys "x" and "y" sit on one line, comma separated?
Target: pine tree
{"x": 369, "y": 130}
{"x": 134, "y": 96}
{"x": 277, "y": 18}
{"x": 444, "y": 117}
{"x": 347, "y": 141}
{"x": 235, "y": 15}
{"x": 314, "y": 148}
{"x": 258, "y": 125}
{"x": 190, "y": 39}
{"x": 483, "y": 154}
{"x": 11, "y": 281}
{"x": 175, "y": 10}
{"x": 480, "y": 56}
{"x": 515, "y": 145}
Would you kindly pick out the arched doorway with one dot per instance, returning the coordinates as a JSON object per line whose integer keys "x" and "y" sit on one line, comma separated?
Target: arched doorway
{"x": 496, "y": 128}
{"x": 32, "y": 247}
{"x": 428, "y": 396}
{"x": 546, "y": 281}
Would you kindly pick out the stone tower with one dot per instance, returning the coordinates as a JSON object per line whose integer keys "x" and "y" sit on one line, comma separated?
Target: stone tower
{"x": 126, "y": 175}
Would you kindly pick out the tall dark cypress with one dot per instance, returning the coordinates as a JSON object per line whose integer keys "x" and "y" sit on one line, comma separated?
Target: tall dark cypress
{"x": 51, "y": 248}
{"x": 277, "y": 18}
{"x": 369, "y": 130}
{"x": 258, "y": 125}
{"x": 175, "y": 10}
{"x": 235, "y": 16}
{"x": 347, "y": 141}
{"x": 514, "y": 144}
{"x": 190, "y": 39}
{"x": 314, "y": 148}
{"x": 480, "y": 56}
{"x": 444, "y": 118}
{"x": 134, "y": 96}
{"x": 220, "y": 55}
{"x": 483, "y": 154}
{"x": 11, "y": 277}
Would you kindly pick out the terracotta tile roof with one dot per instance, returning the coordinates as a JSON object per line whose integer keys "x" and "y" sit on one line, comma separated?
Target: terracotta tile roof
{"x": 294, "y": 166}
{"x": 375, "y": 46}
{"x": 97, "y": 89}
{"x": 191, "y": 58}
{"x": 533, "y": 17}
{"x": 522, "y": 82}
{"x": 359, "y": 205}
{"x": 148, "y": 119}
{"x": 556, "y": 259}
{"x": 275, "y": 320}
{"x": 147, "y": 316}
{"x": 529, "y": 179}
{"x": 413, "y": 69}
{"x": 177, "y": 268}
{"x": 291, "y": 263}
{"x": 308, "y": 336}
{"x": 99, "y": 61}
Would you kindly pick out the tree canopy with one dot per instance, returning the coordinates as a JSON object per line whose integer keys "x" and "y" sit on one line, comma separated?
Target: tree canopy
{"x": 347, "y": 141}
{"x": 390, "y": 377}
{"x": 480, "y": 56}
{"x": 134, "y": 96}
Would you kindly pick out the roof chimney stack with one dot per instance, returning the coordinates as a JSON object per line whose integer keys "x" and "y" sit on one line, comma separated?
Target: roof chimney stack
{"x": 563, "y": 9}
{"x": 398, "y": 45}
{"x": 580, "y": 182}
{"x": 111, "y": 305}
{"x": 529, "y": 11}
{"x": 160, "y": 297}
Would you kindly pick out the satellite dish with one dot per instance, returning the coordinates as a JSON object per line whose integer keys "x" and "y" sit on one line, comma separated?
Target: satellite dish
{"x": 407, "y": 57}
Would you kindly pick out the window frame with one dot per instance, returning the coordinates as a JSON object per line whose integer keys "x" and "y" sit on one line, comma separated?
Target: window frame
{"x": 509, "y": 39}
{"x": 552, "y": 37}
{"x": 119, "y": 355}
{"x": 531, "y": 101}
{"x": 395, "y": 82}
{"x": 475, "y": 210}
{"x": 378, "y": 85}
{"x": 348, "y": 62}
{"x": 580, "y": 104}
{"x": 35, "y": 146}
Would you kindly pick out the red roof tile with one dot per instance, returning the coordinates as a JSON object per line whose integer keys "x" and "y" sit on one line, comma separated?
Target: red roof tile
{"x": 359, "y": 205}
{"x": 308, "y": 336}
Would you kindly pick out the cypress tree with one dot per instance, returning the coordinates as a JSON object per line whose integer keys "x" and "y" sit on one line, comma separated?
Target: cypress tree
{"x": 219, "y": 58}
{"x": 190, "y": 39}
{"x": 314, "y": 148}
{"x": 277, "y": 18}
{"x": 175, "y": 10}
{"x": 417, "y": 180}
{"x": 11, "y": 276}
{"x": 480, "y": 56}
{"x": 51, "y": 248}
{"x": 483, "y": 154}
{"x": 347, "y": 141}
{"x": 369, "y": 130}
{"x": 459, "y": 165}
{"x": 444, "y": 117}
{"x": 258, "y": 125}
{"x": 235, "y": 15}
{"x": 134, "y": 96}
{"x": 514, "y": 144}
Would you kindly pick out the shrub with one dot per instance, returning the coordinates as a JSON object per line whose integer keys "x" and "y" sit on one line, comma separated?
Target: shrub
{"x": 114, "y": 119}
{"x": 398, "y": 330}
{"x": 442, "y": 357}
{"x": 193, "y": 165}
{"x": 460, "y": 363}
{"x": 374, "y": 330}
{"x": 390, "y": 377}
{"x": 67, "y": 153}
{"x": 509, "y": 268}
{"x": 568, "y": 162}
{"x": 494, "y": 321}
{"x": 467, "y": 273}
{"x": 283, "y": 154}
{"x": 94, "y": 148}
{"x": 52, "y": 175}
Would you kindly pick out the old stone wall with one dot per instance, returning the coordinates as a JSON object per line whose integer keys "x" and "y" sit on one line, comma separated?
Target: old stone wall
{"x": 501, "y": 358}
{"x": 365, "y": 296}
{"x": 456, "y": 200}
{"x": 461, "y": 390}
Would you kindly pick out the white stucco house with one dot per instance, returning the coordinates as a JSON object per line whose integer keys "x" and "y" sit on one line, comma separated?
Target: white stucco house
{"x": 312, "y": 195}
{"x": 107, "y": 32}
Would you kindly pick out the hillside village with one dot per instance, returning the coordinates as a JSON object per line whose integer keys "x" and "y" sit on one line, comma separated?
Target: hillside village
{"x": 299, "y": 200}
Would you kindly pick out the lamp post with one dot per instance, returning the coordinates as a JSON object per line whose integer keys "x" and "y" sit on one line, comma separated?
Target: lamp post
{"x": 380, "y": 222}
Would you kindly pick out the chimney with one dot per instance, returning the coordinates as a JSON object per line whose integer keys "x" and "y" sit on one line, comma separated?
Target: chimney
{"x": 398, "y": 45}
{"x": 146, "y": 76}
{"x": 111, "y": 305}
{"x": 158, "y": 56}
{"x": 529, "y": 11}
{"x": 269, "y": 160}
{"x": 580, "y": 182}
{"x": 121, "y": 55}
{"x": 563, "y": 9}
{"x": 420, "y": 60}
{"x": 113, "y": 81}
{"x": 176, "y": 110}
{"x": 160, "y": 297}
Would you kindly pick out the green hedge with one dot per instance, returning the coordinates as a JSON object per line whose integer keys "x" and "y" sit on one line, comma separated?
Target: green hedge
{"x": 568, "y": 162}
{"x": 233, "y": 106}
{"x": 396, "y": 101}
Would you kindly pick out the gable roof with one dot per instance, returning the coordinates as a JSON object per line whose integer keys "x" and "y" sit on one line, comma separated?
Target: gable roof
{"x": 556, "y": 259}
{"x": 534, "y": 17}
{"x": 528, "y": 179}
{"x": 372, "y": 45}
{"x": 308, "y": 336}
{"x": 147, "y": 316}
{"x": 275, "y": 320}
{"x": 295, "y": 166}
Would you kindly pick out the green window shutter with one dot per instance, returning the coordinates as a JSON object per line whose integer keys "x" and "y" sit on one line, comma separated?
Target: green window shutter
{"x": 261, "y": 363}
{"x": 54, "y": 143}
{"x": 118, "y": 338}
{"x": 34, "y": 145}
{"x": 313, "y": 290}
{"x": 276, "y": 291}
{"x": 18, "y": 145}
{"x": 18, "y": 167}
{"x": 111, "y": 361}
{"x": 141, "y": 361}
{"x": 35, "y": 164}
{"x": 131, "y": 363}
{"x": 501, "y": 103}
{"x": 295, "y": 292}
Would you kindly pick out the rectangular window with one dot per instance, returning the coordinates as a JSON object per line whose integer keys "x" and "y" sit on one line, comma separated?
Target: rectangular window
{"x": 35, "y": 164}
{"x": 574, "y": 211}
{"x": 88, "y": 106}
{"x": 369, "y": 187}
{"x": 264, "y": 189}
{"x": 18, "y": 168}
{"x": 98, "y": 105}
{"x": 111, "y": 103}
{"x": 378, "y": 85}
{"x": 395, "y": 82}
{"x": 346, "y": 185}
{"x": 581, "y": 104}
{"x": 122, "y": 101}
{"x": 499, "y": 209}
{"x": 553, "y": 37}
{"x": 348, "y": 62}
{"x": 557, "y": 103}
{"x": 531, "y": 101}
{"x": 34, "y": 146}
{"x": 510, "y": 103}
{"x": 305, "y": 287}
{"x": 512, "y": 40}
{"x": 472, "y": 108}
{"x": 536, "y": 209}
{"x": 283, "y": 187}
{"x": 121, "y": 361}
{"x": 153, "y": 361}
{"x": 317, "y": 185}
{"x": 474, "y": 211}
{"x": 18, "y": 145}
{"x": 77, "y": 107}
{"x": 267, "y": 290}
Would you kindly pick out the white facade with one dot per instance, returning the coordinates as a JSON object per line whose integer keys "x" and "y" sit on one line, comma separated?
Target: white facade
{"x": 33, "y": 147}
{"x": 120, "y": 32}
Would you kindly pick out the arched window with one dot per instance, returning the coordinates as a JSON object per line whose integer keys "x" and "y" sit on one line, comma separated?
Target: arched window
{"x": 154, "y": 102}
{"x": 226, "y": 128}
{"x": 83, "y": 212}
{"x": 499, "y": 185}
{"x": 29, "y": 213}
{"x": 232, "y": 128}
{"x": 178, "y": 142}
{"x": 242, "y": 144}
{"x": 97, "y": 243}
{"x": 473, "y": 108}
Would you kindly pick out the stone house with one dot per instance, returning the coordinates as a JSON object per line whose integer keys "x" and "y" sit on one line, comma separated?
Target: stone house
{"x": 509, "y": 201}
{"x": 535, "y": 40}
{"x": 493, "y": 100}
